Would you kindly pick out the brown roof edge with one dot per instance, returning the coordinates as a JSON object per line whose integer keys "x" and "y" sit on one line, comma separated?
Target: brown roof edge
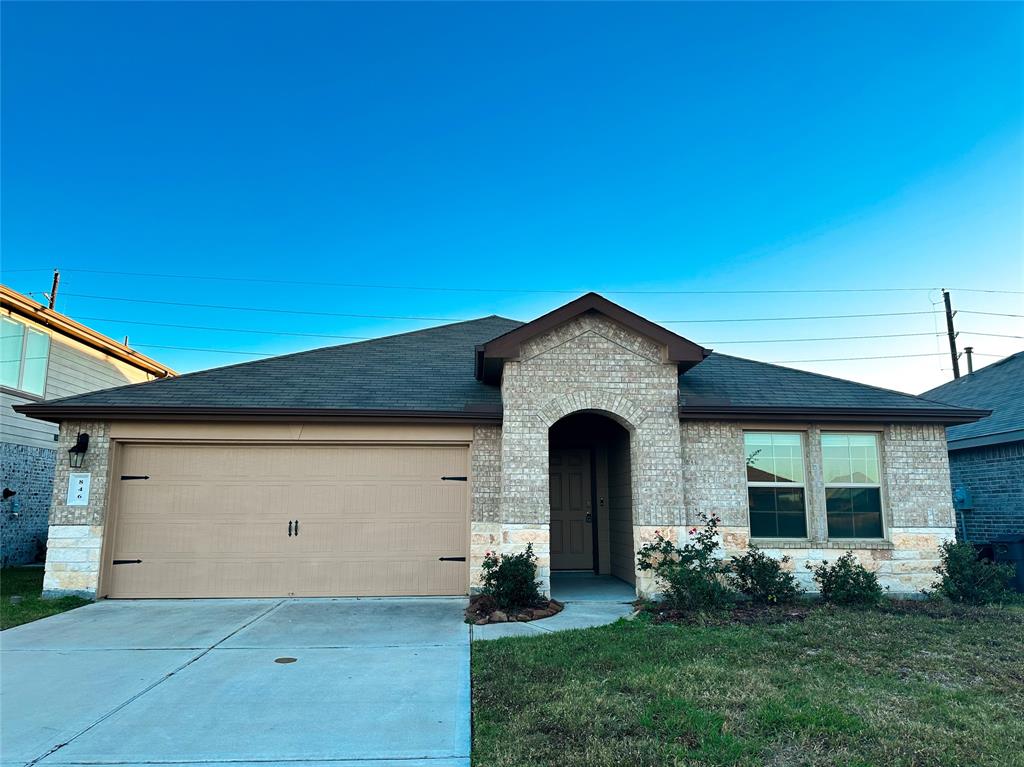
{"x": 26, "y": 307}
{"x": 937, "y": 415}
{"x": 680, "y": 350}
{"x": 58, "y": 413}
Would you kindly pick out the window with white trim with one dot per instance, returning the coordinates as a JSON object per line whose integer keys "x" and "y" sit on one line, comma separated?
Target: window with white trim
{"x": 24, "y": 353}
{"x": 853, "y": 485}
{"x": 776, "y": 484}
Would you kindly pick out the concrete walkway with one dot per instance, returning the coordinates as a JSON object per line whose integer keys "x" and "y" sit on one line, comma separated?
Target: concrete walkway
{"x": 590, "y": 600}
{"x": 381, "y": 682}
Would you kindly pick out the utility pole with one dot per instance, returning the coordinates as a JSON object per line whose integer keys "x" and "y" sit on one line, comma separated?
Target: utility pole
{"x": 969, "y": 351}
{"x": 53, "y": 290}
{"x": 952, "y": 335}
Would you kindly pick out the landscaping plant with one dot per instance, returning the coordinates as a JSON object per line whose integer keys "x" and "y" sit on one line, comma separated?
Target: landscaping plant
{"x": 511, "y": 579}
{"x": 690, "y": 576}
{"x": 763, "y": 579}
{"x": 847, "y": 582}
{"x": 965, "y": 578}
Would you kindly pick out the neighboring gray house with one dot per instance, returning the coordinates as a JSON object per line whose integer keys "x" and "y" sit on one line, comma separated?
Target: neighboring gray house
{"x": 390, "y": 467}
{"x": 986, "y": 458}
{"x": 45, "y": 355}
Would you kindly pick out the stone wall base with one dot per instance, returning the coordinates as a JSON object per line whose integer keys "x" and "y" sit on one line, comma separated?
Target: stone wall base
{"x": 509, "y": 539}
{"x": 904, "y": 562}
{"x": 73, "y": 561}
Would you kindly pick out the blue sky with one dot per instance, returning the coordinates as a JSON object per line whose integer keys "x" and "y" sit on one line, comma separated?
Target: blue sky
{"x": 574, "y": 147}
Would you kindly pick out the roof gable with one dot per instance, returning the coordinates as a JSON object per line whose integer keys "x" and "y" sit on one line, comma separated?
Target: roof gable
{"x": 490, "y": 357}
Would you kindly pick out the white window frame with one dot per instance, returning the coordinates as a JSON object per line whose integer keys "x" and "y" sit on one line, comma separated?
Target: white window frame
{"x": 880, "y": 485}
{"x": 791, "y": 485}
{"x": 22, "y": 356}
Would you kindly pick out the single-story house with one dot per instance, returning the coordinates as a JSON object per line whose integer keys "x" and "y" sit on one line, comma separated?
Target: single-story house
{"x": 986, "y": 458}
{"x": 45, "y": 355}
{"x": 389, "y": 467}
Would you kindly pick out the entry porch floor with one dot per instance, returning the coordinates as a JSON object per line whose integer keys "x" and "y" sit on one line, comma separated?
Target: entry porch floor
{"x": 590, "y": 600}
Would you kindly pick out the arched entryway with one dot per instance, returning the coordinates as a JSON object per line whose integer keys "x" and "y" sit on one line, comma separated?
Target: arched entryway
{"x": 591, "y": 504}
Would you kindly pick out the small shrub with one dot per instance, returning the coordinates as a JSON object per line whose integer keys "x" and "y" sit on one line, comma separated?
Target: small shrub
{"x": 690, "y": 576}
{"x": 966, "y": 579}
{"x": 847, "y": 582}
{"x": 762, "y": 578}
{"x": 511, "y": 579}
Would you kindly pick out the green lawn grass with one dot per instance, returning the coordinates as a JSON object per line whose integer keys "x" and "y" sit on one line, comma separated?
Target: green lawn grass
{"x": 27, "y": 582}
{"x": 922, "y": 685}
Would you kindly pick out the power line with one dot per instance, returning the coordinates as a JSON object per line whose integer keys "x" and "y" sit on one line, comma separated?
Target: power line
{"x": 991, "y": 335}
{"x": 369, "y": 338}
{"x": 823, "y": 338}
{"x": 988, "y": 314}
{"x": 263, "y": 309}
{"x": 454, "y": 289}
{"x": 216, "y": 351}
{"x": 457, "y": 319}
{"x": 878, "y": 357}
{"x": 774, "y": 362}
{"x": 226, "y": 330}
{"x": 254, "y": 331}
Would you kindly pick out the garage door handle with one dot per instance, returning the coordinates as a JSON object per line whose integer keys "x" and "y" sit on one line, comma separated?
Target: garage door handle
{"x": 454, "y": 479}
{"x": 451, "y": 559}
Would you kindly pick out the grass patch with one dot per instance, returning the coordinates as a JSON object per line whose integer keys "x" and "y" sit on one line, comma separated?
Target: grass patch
{"x": 916, "y": 685}
{"x": 27, "y": 583}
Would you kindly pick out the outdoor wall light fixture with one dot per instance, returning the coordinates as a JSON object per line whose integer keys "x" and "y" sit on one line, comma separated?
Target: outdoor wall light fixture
{"x": 77, "y": 452}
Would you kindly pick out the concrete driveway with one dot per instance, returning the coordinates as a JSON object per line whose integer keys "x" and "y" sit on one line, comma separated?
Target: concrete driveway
{"x": 381, "y": 682}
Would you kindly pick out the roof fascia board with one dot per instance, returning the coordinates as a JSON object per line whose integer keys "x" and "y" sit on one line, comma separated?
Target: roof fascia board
{"x": 58, "y": 413}
{"x": 987, "y": 440}
{"x": 835, "y": 415}
{"x": 36, "y": 312}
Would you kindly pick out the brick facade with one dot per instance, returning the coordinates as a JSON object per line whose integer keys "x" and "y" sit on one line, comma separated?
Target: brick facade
{"x": 28, "y": 471}
{"x": 589, "y": 363}
{"x": 76, "y": 532}
{"x": 916, "y": 502}
{"x": 994, "y": 475}
{"x": 677, "y": 470}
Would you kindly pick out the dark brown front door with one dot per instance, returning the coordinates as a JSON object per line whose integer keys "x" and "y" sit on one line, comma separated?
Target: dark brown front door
{"x": 572, "y": 541}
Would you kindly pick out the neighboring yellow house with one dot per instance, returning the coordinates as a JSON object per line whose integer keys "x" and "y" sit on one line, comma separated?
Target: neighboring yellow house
{"x": 45, "y": 355}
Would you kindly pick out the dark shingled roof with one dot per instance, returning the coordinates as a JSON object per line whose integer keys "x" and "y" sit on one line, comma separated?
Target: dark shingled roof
{"x": 998, "y": 387}
{"x": 738, "y": 382}
{"x": 425, "y": 370}
{"x": 430, "y": 373}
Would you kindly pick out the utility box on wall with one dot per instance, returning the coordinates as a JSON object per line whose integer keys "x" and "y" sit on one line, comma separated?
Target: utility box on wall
{"x": 962, "y": 500}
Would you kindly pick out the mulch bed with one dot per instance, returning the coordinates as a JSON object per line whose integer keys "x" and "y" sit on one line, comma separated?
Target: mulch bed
{"x": 744, "y": 614}
{"x": 483, "y": 610}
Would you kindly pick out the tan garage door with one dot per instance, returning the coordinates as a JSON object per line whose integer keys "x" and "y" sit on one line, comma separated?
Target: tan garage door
{"x": 264, "y": 520}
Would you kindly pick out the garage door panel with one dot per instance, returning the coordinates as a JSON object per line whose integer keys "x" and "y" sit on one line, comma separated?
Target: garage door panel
{"x": 213, "y": 520}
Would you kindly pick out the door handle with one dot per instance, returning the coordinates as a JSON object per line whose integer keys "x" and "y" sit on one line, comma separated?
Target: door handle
{"x": 590, "y": 518}
{"x": 289, "y": 528}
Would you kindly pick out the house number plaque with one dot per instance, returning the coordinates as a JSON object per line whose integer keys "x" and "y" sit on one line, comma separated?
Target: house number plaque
{"x": 78, "y": 488}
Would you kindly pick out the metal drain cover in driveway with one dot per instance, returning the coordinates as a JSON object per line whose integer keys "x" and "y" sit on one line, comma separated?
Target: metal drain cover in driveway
{"x": 285, "y": 660}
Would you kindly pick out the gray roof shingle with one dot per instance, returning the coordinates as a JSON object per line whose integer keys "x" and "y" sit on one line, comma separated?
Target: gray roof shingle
{"x": 739, "y": 382}
{"x": 998, "y": 387}
{"x": 426, "y": 370}
{"x": 432, "y": 371}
